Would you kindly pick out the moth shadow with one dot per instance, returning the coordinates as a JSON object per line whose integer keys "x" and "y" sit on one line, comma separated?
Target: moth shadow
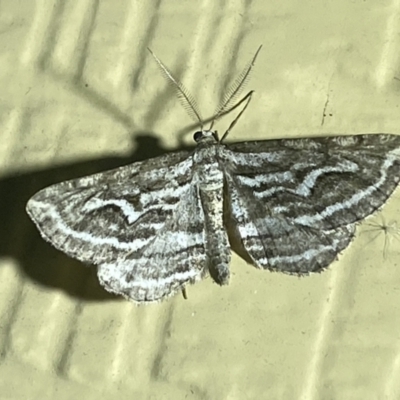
{"x": 21, "y": 241}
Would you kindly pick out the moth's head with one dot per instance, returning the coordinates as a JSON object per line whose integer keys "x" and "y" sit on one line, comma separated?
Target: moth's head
{"x": 206, "y": 136}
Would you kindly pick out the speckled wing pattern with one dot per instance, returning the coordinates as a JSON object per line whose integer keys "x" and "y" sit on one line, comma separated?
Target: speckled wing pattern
{"x": 155, "y": 226}
{"x": 294, "y": 202}
{"x": 142, "y": 224}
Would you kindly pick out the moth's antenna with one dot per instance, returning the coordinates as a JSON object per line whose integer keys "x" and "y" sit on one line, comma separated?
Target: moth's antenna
{"x": 235, "y": 89}
{"x": 186, "y": 99}
{"x": 246, "y": 98}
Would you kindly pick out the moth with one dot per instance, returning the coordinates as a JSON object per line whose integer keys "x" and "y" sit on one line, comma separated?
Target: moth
{"x": 155, "y": 226}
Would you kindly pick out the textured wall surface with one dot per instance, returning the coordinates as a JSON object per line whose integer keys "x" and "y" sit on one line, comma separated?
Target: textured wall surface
{"x": 81, "y": 94}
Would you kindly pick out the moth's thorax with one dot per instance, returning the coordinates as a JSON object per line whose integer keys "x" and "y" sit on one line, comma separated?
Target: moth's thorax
{"x": 209, "y": 173}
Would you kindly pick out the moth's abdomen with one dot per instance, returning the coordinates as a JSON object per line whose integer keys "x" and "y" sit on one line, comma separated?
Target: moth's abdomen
{"x": 217, "y": 244}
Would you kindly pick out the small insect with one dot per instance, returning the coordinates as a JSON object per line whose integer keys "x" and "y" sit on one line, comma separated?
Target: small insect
{"x": 390, "y": 230}
{"x": 155, "y": 226}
